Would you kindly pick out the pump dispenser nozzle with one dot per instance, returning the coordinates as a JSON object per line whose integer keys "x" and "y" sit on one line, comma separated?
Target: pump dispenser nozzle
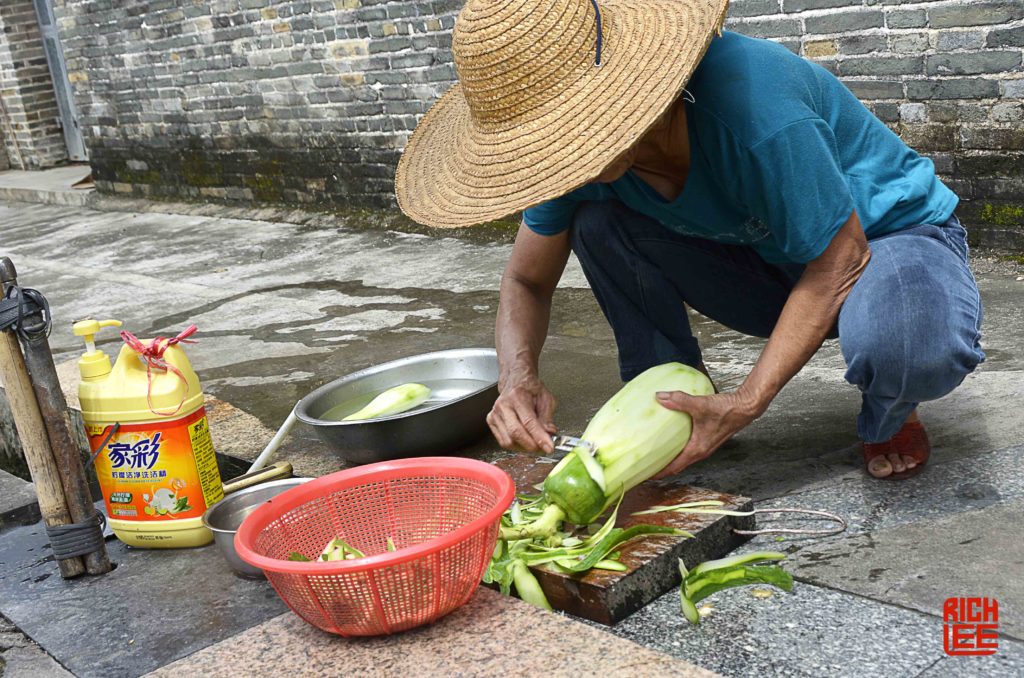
{"x": 93, "y": 363}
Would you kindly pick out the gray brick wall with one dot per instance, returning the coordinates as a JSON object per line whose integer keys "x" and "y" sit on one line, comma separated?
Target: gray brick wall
{"x": 253, "y": 100}
{"x": 31, "y": 133}
{"x": 311, "y": 100}
{"x": 5, "y": 164}
{"x": 945, "y": 74}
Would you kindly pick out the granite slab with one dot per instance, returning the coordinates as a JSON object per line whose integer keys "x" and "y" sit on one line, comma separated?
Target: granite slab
{"x": 492, "y": 635}
{"x": 959, "y": 485}
{"x": 813, "y": 632}
{"x": 18, "y": 503}
{"x": 21, "y": 658}
{"x": 29, "y": 661}
{"x": 808, "y": 437}
{"x": 155, "y": 607}
{"x": 1007, "y": 661}
{"x": 920, "y": 565}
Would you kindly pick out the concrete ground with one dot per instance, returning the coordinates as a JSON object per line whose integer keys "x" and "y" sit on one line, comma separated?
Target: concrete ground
{"x": 64, "y": 185}
{"x": 284, "y": 308}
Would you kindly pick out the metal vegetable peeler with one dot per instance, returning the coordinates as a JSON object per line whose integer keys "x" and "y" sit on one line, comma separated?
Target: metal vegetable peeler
{"x": 567, "y": 444}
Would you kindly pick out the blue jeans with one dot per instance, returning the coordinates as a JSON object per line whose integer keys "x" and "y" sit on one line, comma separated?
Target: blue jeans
{"x": 909, "y": 330}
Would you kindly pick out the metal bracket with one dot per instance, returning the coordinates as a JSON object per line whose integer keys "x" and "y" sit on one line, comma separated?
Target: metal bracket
{"x": 839, "y": 521}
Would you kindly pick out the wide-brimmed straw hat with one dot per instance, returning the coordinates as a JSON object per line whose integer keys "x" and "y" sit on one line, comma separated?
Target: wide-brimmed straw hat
{"x": 550, "y": 93}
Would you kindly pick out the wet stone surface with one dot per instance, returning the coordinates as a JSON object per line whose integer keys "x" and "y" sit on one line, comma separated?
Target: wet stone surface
{"x": 155, "y": 607}
{"x": 20, "y": 657}
{"x": 812, "y": 631}
{"x": 921, "y": 564}
{"x": 957, "y": 487}
{"x": 17, "y": 502}
{"x": 283, "y": 309}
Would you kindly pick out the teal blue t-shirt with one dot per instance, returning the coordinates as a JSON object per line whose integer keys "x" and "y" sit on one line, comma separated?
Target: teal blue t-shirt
{"x": 780, "y": 155}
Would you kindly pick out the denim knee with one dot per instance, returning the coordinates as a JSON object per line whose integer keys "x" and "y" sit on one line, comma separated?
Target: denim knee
{"x": 909, "y": 362}
{"x": 910, "y": 328}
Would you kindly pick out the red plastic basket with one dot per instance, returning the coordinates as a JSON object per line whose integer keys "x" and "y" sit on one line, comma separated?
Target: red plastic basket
{"x": 441, "y": 512}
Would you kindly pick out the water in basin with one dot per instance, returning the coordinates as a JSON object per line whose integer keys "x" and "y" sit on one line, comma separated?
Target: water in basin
{"x": 441, "y": 391}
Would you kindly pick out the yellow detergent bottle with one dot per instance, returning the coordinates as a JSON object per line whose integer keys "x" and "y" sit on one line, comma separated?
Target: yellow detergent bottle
{"x": 157, "y": 469}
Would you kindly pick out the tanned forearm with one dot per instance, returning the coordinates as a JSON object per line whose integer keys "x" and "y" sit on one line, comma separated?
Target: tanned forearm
{"x": 523, "y": 415}
{"x": 524, "y": 302}
{"x": 522, "y": 325}
{"x": 808, "y": 315}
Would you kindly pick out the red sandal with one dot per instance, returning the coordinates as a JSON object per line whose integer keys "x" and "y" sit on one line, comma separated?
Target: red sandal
{"x": 910, "y": 441}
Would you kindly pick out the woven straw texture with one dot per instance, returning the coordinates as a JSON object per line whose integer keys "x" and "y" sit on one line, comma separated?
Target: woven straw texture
{"x": 532, "y": 117}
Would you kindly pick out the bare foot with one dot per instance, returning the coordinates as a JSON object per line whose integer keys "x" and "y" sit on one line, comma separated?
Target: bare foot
{"x": 885, "y": 465}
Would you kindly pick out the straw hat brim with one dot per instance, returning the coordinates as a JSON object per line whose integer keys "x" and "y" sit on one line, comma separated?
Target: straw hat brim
{"x": 453, "y": 174}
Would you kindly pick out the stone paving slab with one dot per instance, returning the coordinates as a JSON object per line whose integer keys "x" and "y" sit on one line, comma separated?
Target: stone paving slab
{"x": 920, "y": 565}
{"x": 1008, "y": 661}
{"x": 21, "y": 658}
{"x": 492, "y": 635}
{"x": 915, "y": 528}
{"x": 18, "y": 504}
{"x": 285, "y": 308}
{"x": 811, "y": 632}
{"x": 942, "y": 490}
{"x": 807, "y": 440}
{"x": 52, "y": 186}
{"x": 155, "y": 607}
{"x": 29, "y": 661}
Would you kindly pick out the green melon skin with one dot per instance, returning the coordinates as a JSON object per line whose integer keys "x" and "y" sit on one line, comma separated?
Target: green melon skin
{"x": 573, "y": 490}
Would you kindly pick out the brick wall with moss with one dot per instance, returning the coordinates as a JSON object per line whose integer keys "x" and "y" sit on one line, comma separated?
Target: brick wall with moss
{"x": 311, "y": 101}
{"x": 30, "y": 133}
{"x": 945, "y": 75}
{"x": 4, "y": 162}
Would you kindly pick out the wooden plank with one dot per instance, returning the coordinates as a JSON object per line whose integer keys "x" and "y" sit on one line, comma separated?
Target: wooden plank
{"x": 608, "y": 597}
{"x": 32, "y": 433}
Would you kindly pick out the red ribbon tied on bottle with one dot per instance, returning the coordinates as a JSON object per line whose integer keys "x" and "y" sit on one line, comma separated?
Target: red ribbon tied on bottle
{"x": 153, "y": 354}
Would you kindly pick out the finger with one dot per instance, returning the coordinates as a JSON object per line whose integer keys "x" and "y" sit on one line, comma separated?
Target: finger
{"x": 547, "y": 412}
{"x": 704, "y": 445}
{"x": 528, "y": 419}
{"x": 546, "y": 404}
{"x": 696, "y": 449}
{"x": 501, "y": 420}
{"x": 521, "y": 439}
{"x": 679, "y": 401}
{"x": 508, "y": 423}
{"x": 681, "y": 461}
{"x": 498, "y": 429}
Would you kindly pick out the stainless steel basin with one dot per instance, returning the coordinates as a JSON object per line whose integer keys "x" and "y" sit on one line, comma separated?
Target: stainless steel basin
{"x": 225, "y": 517}
{"x": 464, "y": 386}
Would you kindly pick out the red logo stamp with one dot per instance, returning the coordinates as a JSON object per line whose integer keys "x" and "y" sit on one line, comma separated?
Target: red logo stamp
{"x": 970, "y": 626}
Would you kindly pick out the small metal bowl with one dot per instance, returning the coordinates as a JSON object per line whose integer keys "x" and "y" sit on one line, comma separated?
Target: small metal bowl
{"x": 224, "y": 518}
{"x": 464, "y": 386}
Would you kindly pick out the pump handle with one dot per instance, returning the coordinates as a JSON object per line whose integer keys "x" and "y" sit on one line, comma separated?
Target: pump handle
{"x": 89, "y": 327}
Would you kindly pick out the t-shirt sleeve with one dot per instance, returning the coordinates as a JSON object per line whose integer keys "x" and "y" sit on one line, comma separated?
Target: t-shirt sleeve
{"x": 793, "y": 182}
{"x": 551, "y": 217}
